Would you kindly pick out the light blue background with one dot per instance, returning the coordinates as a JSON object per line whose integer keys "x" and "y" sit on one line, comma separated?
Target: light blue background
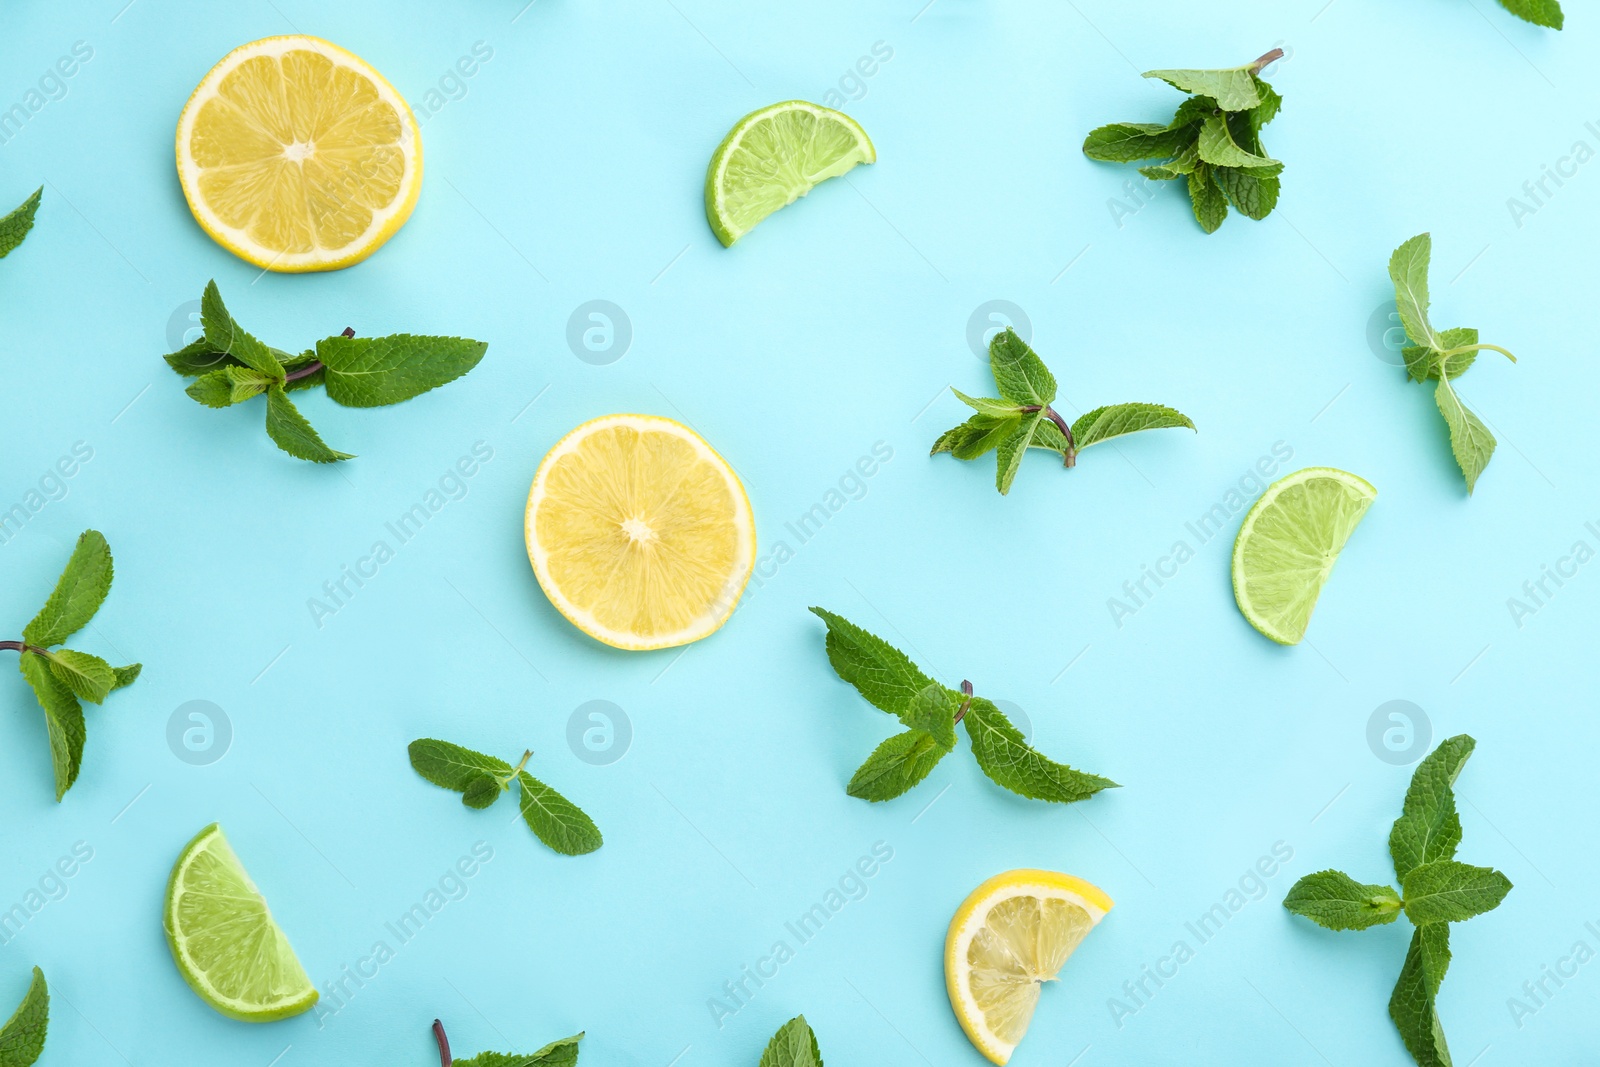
{"x": 571, "y": 170}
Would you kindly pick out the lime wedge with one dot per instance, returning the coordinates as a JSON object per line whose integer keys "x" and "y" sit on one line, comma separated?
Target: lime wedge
{"x": 1288, "y": 544}
{"x": 223, "y": 938}
{"x": 773, "y": 157}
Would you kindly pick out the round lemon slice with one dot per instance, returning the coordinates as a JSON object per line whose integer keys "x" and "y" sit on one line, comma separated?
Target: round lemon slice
{"x": 1014, "y": 932}
{"x": 639, "y": 533}
{"x": 296, "y": 155}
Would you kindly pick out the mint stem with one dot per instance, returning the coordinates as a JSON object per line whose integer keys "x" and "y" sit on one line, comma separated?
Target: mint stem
{"x": 966, "y": 691}
{"x": 1071, "y": 454}
{"x": 18, "y": 646}
{"x": 444, "y": 1044}
{"x": 526, "y": 756}
{"x": 1477, "y": 348}
{"x": 1271, "y": 57}
{"x": 315, "y": 365}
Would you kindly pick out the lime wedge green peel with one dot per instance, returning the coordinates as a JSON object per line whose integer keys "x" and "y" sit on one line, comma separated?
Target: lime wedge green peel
{"x": 224, "y": 940}
{"x": 773, "y": 157}
{"x": 1288, "y": 544}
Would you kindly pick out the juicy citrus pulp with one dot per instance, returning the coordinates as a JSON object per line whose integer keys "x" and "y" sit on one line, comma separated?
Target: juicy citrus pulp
{"x": 639, "y": 533}
{"x": 297, "y": 156}
{"x": 774, "y": 156}
{"x": 224, "y": 940}
{"x": 1014, "y": 932}
{"x": 1288, "y": 544}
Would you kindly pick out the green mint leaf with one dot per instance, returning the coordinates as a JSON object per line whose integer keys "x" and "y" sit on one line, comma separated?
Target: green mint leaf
{"x": 973, "y": 438}
{"x": 1539, "y": 12}
{"x": 933, "y": 711}
{"x": 291, "y": 432}
{"x": 1210, "y": 203}
{"x": 369, "y": 372}
{"x": 1251, "y": 195}
{"x": 89, "y": 677}
{"x": 22, "y": 1037}
{"x": 1470, "y": 439}
{"x": 1455, "y": 366}
{"x": 896, "y": 766}
{"x": 78, "y": 594}
{"x": 245, "y": 383}
{"x": 555, "y": 820}
{"x": 1125, "y": 142}
{"x": 1019, "y": 372}
{"x": 451, "y": 766}
{"x": 794, "y": 1045}
{"x": 225, "y": 335}
{"x": 1047, "y": 436}
{"x": 15, "y": 226}
{"x": 482, "y": 791}
{"x": 1234, "y": 89}
{"x": 1422, "y": 362}
{"x": 126, "y": 675}
{"x": 1217, "y": 147}
{"x": 1191, "y": 113}
{"x": 197, "y": 358}
{"x": 1115, "y": 420}
{"x": 1335, "y": 900}
{"x": 214, "y": 389}
{"x": 563, "y": 1053}
{"x": 1445, "y": 891}
{"x": 63, "y": 718}
{"x": 985, "y": 405}
{"x": 1006, "y": 757}
{"x": 1011, "y": 449}
{"x": 1164, "y": 172}
{"x": 1408, "y": 269}
{"x": 1412, "y": 1006}
{"x": 1263, "y": 113}
{"x": 1429, "y": 828}
{"x": 881, "y": 673}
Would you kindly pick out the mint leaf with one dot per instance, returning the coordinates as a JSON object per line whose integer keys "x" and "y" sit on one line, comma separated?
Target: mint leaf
{"x": 482, "y": 791}
{"x": 291, "y": 432}
{"x": 1429, "y": 828}
{"x": 1445, "y": 891}
{"x": 1115, "y": 420}
{"x": 896, "y": 766}
{"x": 1217, "y": 147}
{"x": 555, "y": 820}
{"x": 225, "y": 335}
{"x": 78, "y": 594}
{"x": 368, "y": 372}
{"x": 563, "y": 1053}
{"x": 1335, "y": 900}
{"x": 984, "y": 405}
{"x": 1019, "y": 372}
{"x": 126, "y": 675}
{"x": 1251, "y": 195}
{"x": 1539, "y": 12}
{"x": 14, "y": 227}
{"x": 22, "y": 1037}
{"x": 1412, "y": 1006}
{"x": 881, "y": 673}
{"x": 63, "y": 718}
{"x": 794, "y": 1045}
{"x": 979, "y": 434}
{"x": 214, "y": 389}
{"x": 1470, "y": 440}
{"x": 1006, "y": 757}
{"x": 933, "y": 711}
{"x": 452, "y": 766}
{"x": 1011, "y": 449}
{"x": 1234, "y": 89}
{"x": 1125, "y": 142}
{"x": 197, "y": 358}
{"x": 1209, "y": 202}
{"x": 1408, "y": 269}
{"x": 89, "y": 677}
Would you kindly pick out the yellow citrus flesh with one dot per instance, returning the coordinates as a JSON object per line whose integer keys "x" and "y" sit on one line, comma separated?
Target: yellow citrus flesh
{"x": 296, "y": 155}
{"x": 639, "y": 533}
{"x": 1013, "y": 933}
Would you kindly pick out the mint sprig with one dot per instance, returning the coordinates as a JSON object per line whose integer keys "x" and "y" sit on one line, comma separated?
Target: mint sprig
{"x": 15, "y": 226}
{"x": 480, "y": 780}
{"x": 562, "y": 1053}
{"x": 1435, "y": 891}
{"x": 1022, "y": 418}
{"x": 22, "y": 1037}
{"x": 229, "y": 366}
{"x": 794, "y": 1045}
{"x": 890, "y": 682}
{"x": 62, "y": 677}
{"x": 1440, "y": 355}
{"x": 1213, "y": 141}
